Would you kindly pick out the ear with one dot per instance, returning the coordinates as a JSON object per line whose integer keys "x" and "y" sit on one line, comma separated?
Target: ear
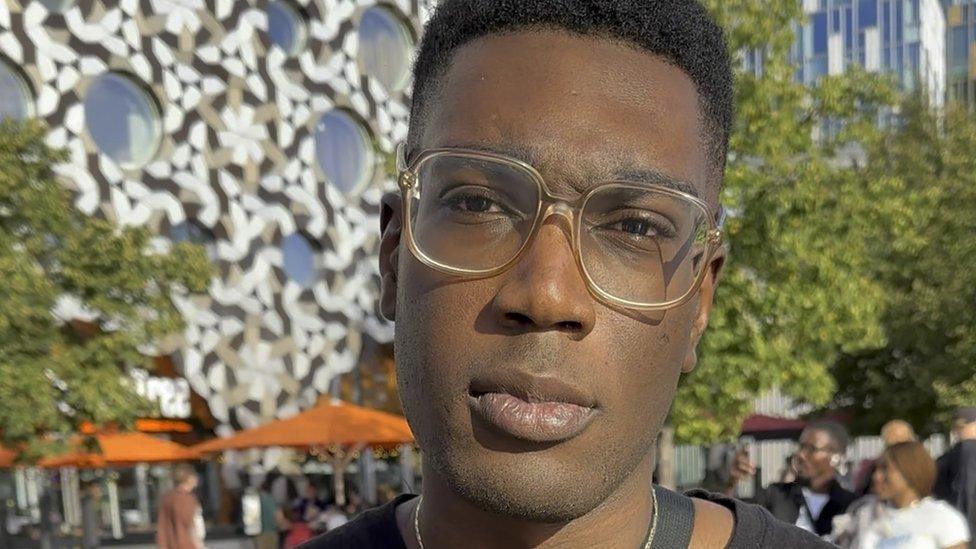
{"x": 391, "y": 223}
{"x": 706, "y": 294}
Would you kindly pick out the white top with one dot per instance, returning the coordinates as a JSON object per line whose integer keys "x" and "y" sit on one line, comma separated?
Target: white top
{"x": 815, "y": 503}
{"x": 926, "y": 524}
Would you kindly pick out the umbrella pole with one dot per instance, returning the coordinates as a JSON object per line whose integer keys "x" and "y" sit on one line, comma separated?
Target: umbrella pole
{"x": 339, "y": 478}
{"x": 115, "y": 515}
{"x": 340, "y": 460}
{"x": 142, "y": 491}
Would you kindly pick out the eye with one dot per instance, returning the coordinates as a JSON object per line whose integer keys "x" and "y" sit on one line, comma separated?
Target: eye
{"x": 473, "y": 199}
{"x": 473, "y": 203}
{"x": 641, "y": 225}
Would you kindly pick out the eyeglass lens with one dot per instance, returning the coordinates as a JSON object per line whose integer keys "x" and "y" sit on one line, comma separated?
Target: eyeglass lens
{"x": 637, "y": 244}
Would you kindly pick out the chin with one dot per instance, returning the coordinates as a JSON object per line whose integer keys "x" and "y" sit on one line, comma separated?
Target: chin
{"x": 530, "y": 488}
{"x": 554, "y": 484}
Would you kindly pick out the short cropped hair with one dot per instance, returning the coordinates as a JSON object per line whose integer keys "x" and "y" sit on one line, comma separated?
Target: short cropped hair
{"x": 680, "y": 31}
{"x": 182, "y": 473}
{"x": 836, "y": 431}
{"x": 915, "y": 464}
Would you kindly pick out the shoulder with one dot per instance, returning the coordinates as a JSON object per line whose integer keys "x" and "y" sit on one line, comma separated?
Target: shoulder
{"x": 948, "y": 523}
{"x": 375, "y": 528}
{"x": 756, "y": 527}
{"x": 938, "y": 510}
{"x": 841, "y": 495}
{"x": 783, "y": 488}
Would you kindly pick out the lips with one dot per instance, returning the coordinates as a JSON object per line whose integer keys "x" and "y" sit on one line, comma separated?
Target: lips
{"x": 535, "y": 409}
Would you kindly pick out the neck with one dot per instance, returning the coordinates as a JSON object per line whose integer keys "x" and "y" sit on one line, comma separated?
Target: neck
{"x": 447, "y": 520}
{"x": 904, "y": 499}
{"x": 821, "y": 484}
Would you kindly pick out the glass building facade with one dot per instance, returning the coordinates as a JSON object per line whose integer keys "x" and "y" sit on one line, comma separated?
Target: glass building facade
{"x": 961, "y": 50}
{"x": 905, "y": 38}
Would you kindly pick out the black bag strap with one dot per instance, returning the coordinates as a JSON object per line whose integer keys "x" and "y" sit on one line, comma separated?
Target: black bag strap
{"x": 675, "y": 519}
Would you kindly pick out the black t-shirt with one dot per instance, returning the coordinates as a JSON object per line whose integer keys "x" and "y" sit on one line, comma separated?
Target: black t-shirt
{"x": 754, "y": 527}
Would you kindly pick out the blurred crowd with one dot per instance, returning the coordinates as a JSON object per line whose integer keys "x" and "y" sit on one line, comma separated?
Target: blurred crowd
{"x": 272, "y": 522}
{"x": 902, "y": 498}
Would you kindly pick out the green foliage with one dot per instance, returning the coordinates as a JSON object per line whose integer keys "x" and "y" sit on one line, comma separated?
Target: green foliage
{"x": 55, "y": 375}
{"x": 926, "y": 259}
{"x": 798, "y": 285}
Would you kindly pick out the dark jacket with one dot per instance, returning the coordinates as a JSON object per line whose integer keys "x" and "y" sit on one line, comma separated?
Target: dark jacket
{"x": 785, "y": 502}
{"x": 956, "y": 481}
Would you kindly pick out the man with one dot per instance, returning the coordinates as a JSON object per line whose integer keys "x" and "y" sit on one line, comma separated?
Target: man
{"x": 310, "y": 506}
{"x": 893, "y": 432}
{"x": 180, "y": 524}
{"x": 812, "y": 500}
{"x": 956, "y": 479}
{"x": 550, "y": 264}
{"x": 271, "y": 517}
{"x": 91, "y": 507}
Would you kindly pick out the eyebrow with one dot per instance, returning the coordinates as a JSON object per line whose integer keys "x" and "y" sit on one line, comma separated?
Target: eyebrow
{"x": 631, "y": 173}
{"x": 650, "y": 176}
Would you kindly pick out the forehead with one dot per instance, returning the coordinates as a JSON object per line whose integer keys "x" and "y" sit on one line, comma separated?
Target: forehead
{"x": 816, "y": 437}
{"x": 582, "y": 107}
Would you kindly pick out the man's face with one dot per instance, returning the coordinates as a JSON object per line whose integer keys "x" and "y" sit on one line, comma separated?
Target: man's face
{"x": 816, "y": 450}
{"x": 586, "y": 109}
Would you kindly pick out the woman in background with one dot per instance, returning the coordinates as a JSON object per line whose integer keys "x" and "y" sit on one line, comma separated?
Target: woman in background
{"x": 901, "y": 513}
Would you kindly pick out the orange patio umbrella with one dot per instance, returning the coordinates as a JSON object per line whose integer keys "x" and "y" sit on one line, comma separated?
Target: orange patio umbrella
{"x": 7, "y": 458}
{"x": 119, "y": 449}
{"x": 330, "y": 423}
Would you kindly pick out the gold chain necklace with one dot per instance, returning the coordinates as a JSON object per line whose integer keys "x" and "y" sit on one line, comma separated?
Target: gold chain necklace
{"x": 646, "y": 545}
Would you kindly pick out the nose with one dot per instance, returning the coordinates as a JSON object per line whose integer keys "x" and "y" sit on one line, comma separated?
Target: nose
{"x": 545, "y": 290}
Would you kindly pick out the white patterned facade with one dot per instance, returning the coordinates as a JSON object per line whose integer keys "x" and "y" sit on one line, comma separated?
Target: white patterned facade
{"x": 237, "y": 157}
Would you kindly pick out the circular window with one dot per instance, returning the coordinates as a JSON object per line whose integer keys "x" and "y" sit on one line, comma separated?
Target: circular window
{"x": 57, "y": 6}
{"x": 16, "y": 100}
{"x": 343, "y": 150}
{"x": 385, "y": 47}
{"x": 299, "y": 259}
{"x": 123, "y": 119}
{"x": 286, "y": 26}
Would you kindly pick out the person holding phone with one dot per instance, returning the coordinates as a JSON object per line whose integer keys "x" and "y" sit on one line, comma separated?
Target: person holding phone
{"x": 815, "y": 496}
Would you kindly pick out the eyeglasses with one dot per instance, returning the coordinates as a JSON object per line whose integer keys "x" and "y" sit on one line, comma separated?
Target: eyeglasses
{"x": 472, "y": 214}
{"x": 811, "y": 449}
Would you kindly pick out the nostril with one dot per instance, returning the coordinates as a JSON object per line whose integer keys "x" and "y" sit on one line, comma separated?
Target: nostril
{"x": 570, "y": 326}
{"x": 518, "y": 319}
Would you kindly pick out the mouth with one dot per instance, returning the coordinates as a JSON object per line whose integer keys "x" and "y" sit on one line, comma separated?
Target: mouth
{"x": 531, "y": 408}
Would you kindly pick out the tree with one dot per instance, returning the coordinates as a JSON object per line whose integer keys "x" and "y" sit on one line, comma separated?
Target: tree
{"x": 57, "y": 373}
{"x": 798, "y": 285}
{"x": 926, "y": 260}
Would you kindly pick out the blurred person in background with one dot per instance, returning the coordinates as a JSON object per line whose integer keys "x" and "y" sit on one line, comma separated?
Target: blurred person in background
{"x": 298, "y": 530}
{"x": 815, "y": 496}
{"x": 331, "y": 517}
{"x": 892, "y": 432}
{"x": 180, "y": 524}
{"x": 956, "y": 479}
{"x": 271, "y": 519}
{"x": 91, "y": 511}
{"x": 310, "y": 505}
{"x": 900, "y": 514}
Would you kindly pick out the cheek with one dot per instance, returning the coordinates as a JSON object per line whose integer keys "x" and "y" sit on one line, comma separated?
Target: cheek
{"x": 644, "y": 361}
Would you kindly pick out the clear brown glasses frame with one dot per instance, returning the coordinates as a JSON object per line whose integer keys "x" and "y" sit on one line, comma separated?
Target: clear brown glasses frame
{"x": 549, "y": 204}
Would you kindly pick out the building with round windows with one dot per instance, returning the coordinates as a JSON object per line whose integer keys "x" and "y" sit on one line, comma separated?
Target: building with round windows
{"x": 260, "y": 129}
